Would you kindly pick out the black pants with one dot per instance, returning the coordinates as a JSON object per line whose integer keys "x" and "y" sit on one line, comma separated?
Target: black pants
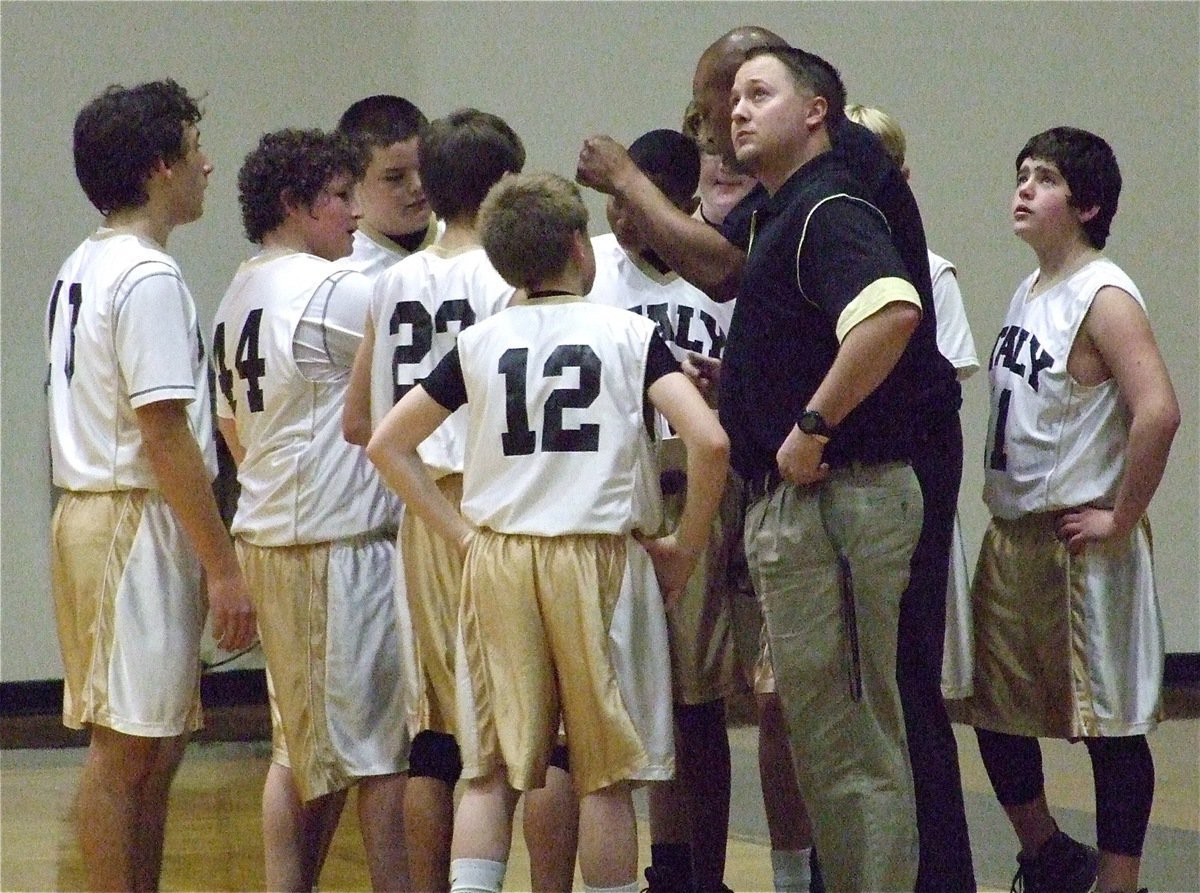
{"x": 945, "y": 856}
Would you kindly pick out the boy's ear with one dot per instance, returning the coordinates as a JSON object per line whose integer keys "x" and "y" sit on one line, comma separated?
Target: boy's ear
{"x": 1088, "y": 213}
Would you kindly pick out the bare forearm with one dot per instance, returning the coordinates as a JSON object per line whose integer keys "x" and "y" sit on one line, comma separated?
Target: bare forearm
{"x": 692, "y": 248}
{"x": 1150, "y": 435}
{"x": 867, "y": 355}
{"x": 707, "y": 472}
{"x": 184, "y": 483}
{"x": 406, "y": 474}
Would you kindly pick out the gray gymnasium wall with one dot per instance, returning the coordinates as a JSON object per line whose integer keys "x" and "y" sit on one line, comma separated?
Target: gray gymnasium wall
{"x": 969, "y": 81}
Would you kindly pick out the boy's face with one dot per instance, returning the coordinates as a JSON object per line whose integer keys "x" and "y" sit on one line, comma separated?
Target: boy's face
{"x": 720, "y": 187}
{"x": 329, "y": 223}
{"x": 393, "y": 201}
{"x": 1042, "y": 209}
{"x": 770, "y": 116}
{"x": 189, "y": 178}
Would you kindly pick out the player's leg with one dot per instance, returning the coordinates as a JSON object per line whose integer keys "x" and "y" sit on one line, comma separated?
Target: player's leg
{"x": 295, "y": 832}
{"x": 482, "y": 834}
{"x": 1049, "y": 859}
{"x": 671, "y": 868}
{"x": 115, "y": 774}
{"x": 551, "y": 827}
{"x": 608, "y": 839}
{"x": 153, "y": 809}
{"x": 381, "y": 820}
{"x": 434, "y": 766}
{"x": 1123, "y": 773}
{"x": 788, "y": 825}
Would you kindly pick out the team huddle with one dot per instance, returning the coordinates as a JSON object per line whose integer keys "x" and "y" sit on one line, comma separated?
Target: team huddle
{"x": 510, "y": 496}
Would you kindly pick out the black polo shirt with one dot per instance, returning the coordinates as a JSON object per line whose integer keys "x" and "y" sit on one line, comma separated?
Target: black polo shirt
{"x": 939, "y": 395}
{"x": 816, "y": 245}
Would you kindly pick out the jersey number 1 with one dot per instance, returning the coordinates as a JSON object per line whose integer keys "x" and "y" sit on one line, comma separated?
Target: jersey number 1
{"x": 519, "y": 439}
{"x": 247, "y": 360}
{"x": 998, "y": 460}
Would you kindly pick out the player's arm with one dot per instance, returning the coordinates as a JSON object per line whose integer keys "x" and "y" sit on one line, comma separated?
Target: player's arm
{"x": 393, "y": 450}
{"x": 356, "y": 415}
{"x": 182, "y": 477}
{"x": 707, "y": 446}
{"x": 695, "y": 250}
{"x": 1117, "y": 332}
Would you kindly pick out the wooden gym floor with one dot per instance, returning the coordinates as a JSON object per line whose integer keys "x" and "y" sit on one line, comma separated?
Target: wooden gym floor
{"x": 214, "y": 840}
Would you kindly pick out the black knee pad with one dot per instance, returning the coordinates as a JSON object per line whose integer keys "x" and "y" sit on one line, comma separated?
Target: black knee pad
{"x": 560, "y": 758}
{"x": 435, "y": 755}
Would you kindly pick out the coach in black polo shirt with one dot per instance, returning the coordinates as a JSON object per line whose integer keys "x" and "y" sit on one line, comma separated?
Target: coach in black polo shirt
{"x": 817, "y": 394}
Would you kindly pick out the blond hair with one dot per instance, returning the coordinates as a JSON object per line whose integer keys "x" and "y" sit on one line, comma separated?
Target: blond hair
{"x": 882, "y": 125}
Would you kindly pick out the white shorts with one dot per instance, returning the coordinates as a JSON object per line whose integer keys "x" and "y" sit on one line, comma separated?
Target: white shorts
{"x": 130, "y": 612}
{"x": 638, "y": 647}
{"x": 327, "y": 618}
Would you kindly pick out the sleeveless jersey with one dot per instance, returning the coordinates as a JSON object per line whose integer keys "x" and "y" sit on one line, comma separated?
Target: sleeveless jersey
{"x": 687, "y": 318}
{"x": 301, "y": 481}
{"x": 419, "y": 308}
{"x": 556, "y": 436}
{"x": 121, "y": 332}
{"x": 1052, "y": 443}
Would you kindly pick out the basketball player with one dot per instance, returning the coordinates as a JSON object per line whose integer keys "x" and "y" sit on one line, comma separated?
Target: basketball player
{"x": 1068, "y": 634}
{"x": 548, "y": 498}
{"x": 314, "y": 524}
{"x": 136, "y": 526}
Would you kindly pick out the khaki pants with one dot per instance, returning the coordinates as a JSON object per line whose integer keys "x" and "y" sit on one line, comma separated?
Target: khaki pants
{"x": 830, "y": 562}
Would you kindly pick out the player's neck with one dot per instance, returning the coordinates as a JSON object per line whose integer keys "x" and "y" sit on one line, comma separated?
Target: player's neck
{"x": 1058, "y": 262}
{"x": 140, "y": 222}
{"x": 459, "y": 234}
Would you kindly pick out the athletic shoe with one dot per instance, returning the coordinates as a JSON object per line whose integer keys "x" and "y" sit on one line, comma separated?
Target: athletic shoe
{"x": 1062, "y": 865}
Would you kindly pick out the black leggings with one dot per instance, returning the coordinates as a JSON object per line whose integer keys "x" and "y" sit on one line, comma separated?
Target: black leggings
{"x": 1122, "y": 772}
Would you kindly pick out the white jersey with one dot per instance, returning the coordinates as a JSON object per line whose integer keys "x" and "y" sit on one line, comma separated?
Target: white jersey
{"x": 373, "y": 252}
{"x": 121, "y": 333}
{"x": 301, "y": 481}
{"x": 419, "y": 308}
{"x": 1053, "y": 443}
{"x": 555, "y": 444}
{"x": 954, "y": 339}
{"x": 688, "y": 319}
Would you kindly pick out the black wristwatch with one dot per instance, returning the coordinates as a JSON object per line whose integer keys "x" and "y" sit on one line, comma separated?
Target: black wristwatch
{"x": 814, "y": 424}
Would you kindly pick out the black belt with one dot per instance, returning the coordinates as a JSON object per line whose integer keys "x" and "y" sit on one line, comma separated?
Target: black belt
{"x": 763, "y": 484}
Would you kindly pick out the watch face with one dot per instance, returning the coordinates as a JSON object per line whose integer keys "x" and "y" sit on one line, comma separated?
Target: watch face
{"x": 811, "y": 422}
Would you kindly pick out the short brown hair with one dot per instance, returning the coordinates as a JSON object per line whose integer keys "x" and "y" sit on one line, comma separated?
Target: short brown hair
{"x": 527, "y": 224}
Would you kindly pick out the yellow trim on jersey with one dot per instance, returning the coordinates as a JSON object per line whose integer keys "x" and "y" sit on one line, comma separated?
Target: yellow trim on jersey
{"x": 874, "y": 298}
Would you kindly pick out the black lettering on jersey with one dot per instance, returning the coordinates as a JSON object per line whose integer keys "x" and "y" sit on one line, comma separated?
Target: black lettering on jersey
{"x": 1020, "y": 352}
{"x": 422, "y": 326}
{"x": 519, "y": 439}
{"x": 660, "y": 315}
{"x": 679, "y": 331}
{"x": 247, "y": 360}
{"x": 585, "y": 438}
{"x": 75, "y": 299}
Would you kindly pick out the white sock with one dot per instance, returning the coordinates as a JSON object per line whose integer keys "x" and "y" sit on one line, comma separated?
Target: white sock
{"x": 476, "y": 875}
{"x": 631, "y": 887}
{"x": 791, "y": 869}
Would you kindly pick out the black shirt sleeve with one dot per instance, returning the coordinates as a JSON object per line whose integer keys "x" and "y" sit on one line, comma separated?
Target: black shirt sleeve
{"x": 445, "y": 383}
{"x": 846, "y": 248}
{"x": 659, "y": 360}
